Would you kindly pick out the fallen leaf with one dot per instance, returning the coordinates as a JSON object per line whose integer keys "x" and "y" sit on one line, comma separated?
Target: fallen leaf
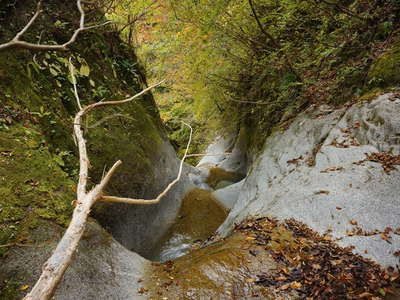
{"x": 365, "y": 295}
{"x": 24, "y": 287}
{"x": 284, "y": 287}
{"x": 295, "y": 285}
{"x": 322, "y": 192}
{"x": 316, "y": 266}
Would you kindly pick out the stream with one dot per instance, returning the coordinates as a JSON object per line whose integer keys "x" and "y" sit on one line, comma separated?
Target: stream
{"x": 199, "y": 217}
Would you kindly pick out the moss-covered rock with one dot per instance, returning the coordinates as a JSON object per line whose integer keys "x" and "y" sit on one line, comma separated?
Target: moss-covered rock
{"x": 38, "y": 156}
{"x": 385, "y": 71}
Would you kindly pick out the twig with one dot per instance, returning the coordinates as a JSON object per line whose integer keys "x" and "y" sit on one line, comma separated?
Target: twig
{"x": 17, "y": 43}
{"x": 163, "y": 193}
{"x": 72, "y": 72}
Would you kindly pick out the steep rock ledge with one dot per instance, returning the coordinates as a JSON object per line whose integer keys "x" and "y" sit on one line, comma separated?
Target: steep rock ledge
{"x": 316, "y": 172}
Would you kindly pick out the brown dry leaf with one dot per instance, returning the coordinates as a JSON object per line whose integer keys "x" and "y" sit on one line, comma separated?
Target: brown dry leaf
{"x": 336, "y": 262}
{"x": 338, "y": 208}
{"x": 142, "y": 290}
{"x": 316, "y": 266}
{"x": 295, "y": 285}
{"x": 394, "y": 277}
{"x": 322, "y": 192}
{"x": 385, "y": 236}
{"x": 365, "y": 295}
{"x": 327, "y": 238}
{"x": 284, "y": 287}
{"x": 281, "y": 278}
{"x": 388, "y": 160}
{"x": 331, "y": 169}
{"x": 353, "y": 222}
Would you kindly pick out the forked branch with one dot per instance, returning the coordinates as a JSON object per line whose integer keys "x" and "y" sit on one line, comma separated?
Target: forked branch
{"x": 17, "y": 43}
{"x": 163, "y": 193}
{"x": 56, "y": 265}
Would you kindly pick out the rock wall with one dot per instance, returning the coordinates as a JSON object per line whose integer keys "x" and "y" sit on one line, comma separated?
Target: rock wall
{"x": 316, "y": 172}
{"x": 38, "y": 156}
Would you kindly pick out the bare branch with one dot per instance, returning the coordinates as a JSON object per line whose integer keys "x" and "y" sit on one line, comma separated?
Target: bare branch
{"x": 56, "y": 265}
{"x": 17, "y": 43}
{"x": 163, "y": 193}
{"x": 72, "y": 72}
{"x": 31, "y": 21}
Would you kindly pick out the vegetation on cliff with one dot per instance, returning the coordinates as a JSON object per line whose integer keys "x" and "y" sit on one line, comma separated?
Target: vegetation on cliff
{"x": 258, "y": 63}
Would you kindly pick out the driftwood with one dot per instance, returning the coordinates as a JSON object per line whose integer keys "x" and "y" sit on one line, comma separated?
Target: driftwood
{"x": 61, "y": 258}
{"x": 17, "y": 43}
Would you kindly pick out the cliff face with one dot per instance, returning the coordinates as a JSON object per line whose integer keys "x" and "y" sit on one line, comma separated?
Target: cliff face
{"x": 336, "y": 170}
{"x": 38, "y": 157}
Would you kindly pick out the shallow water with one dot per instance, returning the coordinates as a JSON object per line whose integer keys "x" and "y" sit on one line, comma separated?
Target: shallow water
{"x": 199, "y": 217}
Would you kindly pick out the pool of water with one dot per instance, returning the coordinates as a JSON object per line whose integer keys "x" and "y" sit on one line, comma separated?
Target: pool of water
{"x": 199, "y": 217}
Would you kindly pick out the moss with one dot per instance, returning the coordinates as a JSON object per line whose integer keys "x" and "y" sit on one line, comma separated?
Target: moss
{"x": 33, "y": 185}
{"x": 371, "y": 95}
{"x": 217, "y": 175}
{"x": 11, "y": 289}
{"x": 385, "y": 71}
{"x": 38, "y": 157}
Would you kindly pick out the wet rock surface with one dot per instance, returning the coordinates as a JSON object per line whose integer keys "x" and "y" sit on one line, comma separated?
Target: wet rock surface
{"x": 267, "y": 259}
{"x": 199, "y": 217}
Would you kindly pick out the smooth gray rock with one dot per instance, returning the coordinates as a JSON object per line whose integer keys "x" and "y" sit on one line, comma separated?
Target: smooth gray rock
{"x": 220, "y": 145}
{"x": 139, "y": 227}
{"x": 236, "y": 161}
{"x": 101, "y": 269}
{"x": 229, "y": 195}
{"x": 279, "y": 185}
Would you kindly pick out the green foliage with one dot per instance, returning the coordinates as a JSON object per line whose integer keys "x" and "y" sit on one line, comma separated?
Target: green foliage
{"x": 229, "y": 65}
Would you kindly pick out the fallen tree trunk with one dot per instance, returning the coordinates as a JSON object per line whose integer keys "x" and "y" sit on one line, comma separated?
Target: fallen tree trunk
{"x": 56, "y": 265}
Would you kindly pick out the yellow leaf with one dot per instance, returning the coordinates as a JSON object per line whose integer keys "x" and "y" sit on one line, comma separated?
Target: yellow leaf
{"x": 295, "y": 285}
{"x": 24, "y": 287}
{"x": 84, "y": 70}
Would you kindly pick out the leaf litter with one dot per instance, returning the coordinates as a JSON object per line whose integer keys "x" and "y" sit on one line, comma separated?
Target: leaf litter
{"x": 316, "y": 267}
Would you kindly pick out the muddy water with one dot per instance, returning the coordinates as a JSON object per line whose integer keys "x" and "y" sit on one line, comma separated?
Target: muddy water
{"x": 224, "y": 270}
{"x": 199, "y": 217}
